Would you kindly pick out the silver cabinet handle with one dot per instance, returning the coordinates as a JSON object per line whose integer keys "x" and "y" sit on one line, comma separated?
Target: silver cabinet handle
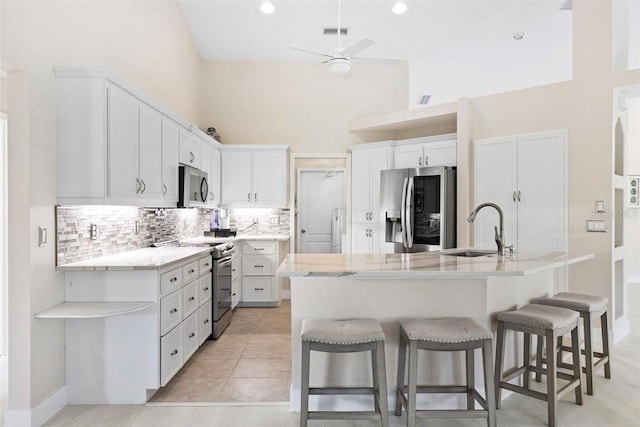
{"x": 192, "y": 298}
{"x": 258, "y": 266}
{"x": 255, "y": 197}
{"x": 206, "y": 289}
{"x": 248, "y": 197}
{"x": 514, "y": 196}
{"x": 192, "y": 158}
{"x": 164, "y": 189}
{"x": 420, "y": 161}
{"x": 426, "y": 160}
{"x": 519, "y": 195}
{"x": 259, "y": 249}
{"x": 174, "y": 352}
{"x": 206, "y": 321}
{"x": 173, "y": 279}
{"x": 173, "y": 310}
{"x": 192, "y": 271}
{"x": 144, "y": 186}
{"x": 138, "y": 185}
{"x": 191, "y": 335}
{"x": 258, "y": 289}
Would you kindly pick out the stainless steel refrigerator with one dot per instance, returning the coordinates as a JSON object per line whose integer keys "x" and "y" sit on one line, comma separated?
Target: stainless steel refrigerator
{"x": 419, "y": 208}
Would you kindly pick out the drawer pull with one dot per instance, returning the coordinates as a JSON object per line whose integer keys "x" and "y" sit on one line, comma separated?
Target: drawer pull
{"x": 173, "y": 279}
{"x": 258, "y": 289}
{"x": 259, "y": 266}
{"x": 225, "y": 289}
{"x": 174, "y": 352}
{"x": 192, "y": 298}
{"x": 259, "y": 249}
{"x": 192, "y": 271}
{"x": 206, "y": 265}
{"x": 191, "y": 335}
{"x": 206, "y": 321}
{"x": 173, "y": 310}
{"x": 206, "y": 289}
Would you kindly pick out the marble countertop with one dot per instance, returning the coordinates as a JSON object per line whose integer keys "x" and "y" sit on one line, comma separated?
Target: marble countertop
{"x": 210, "y": 240}
{"x": 436, "y": 265}
{"x": 139, "y": 259}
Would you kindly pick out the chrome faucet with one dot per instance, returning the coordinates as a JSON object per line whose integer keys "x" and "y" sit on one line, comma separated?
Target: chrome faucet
{"x": 500, "y": 234}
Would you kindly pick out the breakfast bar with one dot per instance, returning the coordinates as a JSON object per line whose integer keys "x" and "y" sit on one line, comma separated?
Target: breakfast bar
{"x": 392, "y": 286}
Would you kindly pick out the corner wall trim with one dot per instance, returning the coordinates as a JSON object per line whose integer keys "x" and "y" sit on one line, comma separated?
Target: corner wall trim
{"x": 40, "y": 414}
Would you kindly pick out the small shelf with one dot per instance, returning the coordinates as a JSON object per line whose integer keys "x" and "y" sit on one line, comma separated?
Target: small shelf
{"x": 91, "y": 310}
{"x": 407, "y": 119}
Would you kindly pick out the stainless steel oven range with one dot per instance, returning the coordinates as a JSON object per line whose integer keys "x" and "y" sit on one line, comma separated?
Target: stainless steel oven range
{"x": 221, "y": 278}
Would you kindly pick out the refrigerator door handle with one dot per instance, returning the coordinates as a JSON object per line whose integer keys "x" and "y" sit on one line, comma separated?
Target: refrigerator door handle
{"x": 407, "y": 214}
{"x": 403, "y": 219}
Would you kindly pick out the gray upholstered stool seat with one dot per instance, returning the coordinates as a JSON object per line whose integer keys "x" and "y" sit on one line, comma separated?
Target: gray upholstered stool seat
{"x": 549, "y": 323}
{"x": 588, "y": 306}
{"x": 444, "y": 334}
{"x": 344, "y": 336}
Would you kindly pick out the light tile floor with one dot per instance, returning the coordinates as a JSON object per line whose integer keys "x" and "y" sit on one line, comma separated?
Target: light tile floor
{"x": 250, "y": 362}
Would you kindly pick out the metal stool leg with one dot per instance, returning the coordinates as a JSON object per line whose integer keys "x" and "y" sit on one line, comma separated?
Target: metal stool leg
{"x": 304, "y": 384}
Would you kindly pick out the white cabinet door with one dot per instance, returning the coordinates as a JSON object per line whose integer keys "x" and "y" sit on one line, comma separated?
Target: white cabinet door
{"x": 495, "y": 182}
{"x": 190, "y": 149}
{"x": 269, "y": 178}
{"x": 150, "y": 142}
{"x": 407, "y": 156}
{"x": 361, "y": 239}
{"x": 215, "y": 177}
{"x": 378, "y": 162}
{"x": 542, "y": 198}
{"x": 440, "y": 153}
{"x": 122, "y": 137}
{"x": 170, "y": 153}
{"x": 360, "y": 186}
{"x": 236, "y": 171}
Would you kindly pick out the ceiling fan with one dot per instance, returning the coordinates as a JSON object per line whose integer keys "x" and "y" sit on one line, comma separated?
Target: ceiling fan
{"x": 339, "y": 59}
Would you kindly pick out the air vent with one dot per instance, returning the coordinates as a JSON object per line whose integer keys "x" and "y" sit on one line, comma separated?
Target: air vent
{"x": 332, "y": 31}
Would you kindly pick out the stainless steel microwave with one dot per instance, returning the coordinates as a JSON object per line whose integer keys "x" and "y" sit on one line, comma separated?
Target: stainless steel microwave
{"x": 193, "y": 187}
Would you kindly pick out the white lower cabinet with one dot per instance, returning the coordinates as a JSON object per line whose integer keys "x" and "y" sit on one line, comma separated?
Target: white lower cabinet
{"x": 170, "y": 355}
{"x": 205, "y": 322}
{"x": 170, "y": 312}
{"x": 366, "y": 239}
{"x": 259, "y": 260}
{"x": 190, "y": 298}
{"x": 190, "y": 337}
{"x": 235, "y": 282}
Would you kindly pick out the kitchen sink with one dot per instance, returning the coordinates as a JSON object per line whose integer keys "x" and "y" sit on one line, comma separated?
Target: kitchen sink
{"x": 470, "y": 253}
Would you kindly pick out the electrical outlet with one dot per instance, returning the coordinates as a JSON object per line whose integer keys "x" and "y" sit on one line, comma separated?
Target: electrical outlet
{"x": 93, "y": 232}
{"x": 275, "y": 220}
{"x": 136, "y": 227}
{"x": 255, "y": 221}
{"x": 42, "y": 235}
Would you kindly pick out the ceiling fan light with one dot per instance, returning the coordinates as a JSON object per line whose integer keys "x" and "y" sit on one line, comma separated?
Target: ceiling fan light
{"x": 339, "y": 67}
{"x": 399, "y": 8}
{"x": 267, "y": 7}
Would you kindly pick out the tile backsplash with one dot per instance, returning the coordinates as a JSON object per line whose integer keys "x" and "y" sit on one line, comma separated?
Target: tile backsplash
{"x": 116, "y": 227}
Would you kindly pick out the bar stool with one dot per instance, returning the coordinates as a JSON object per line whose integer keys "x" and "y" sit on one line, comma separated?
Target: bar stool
{"x": 445, "y": 334}
{"x": 550, "y": 323}
{"x": 588, "y": 307}
{"x": 344, "y": 336}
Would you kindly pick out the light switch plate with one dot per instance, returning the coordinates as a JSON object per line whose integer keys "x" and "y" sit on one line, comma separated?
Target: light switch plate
{"x": 42, "y": 235}
{"x": 597, "y": 225}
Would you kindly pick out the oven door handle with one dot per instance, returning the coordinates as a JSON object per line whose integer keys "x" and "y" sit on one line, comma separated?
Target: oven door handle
{"x": 224, "y": 262}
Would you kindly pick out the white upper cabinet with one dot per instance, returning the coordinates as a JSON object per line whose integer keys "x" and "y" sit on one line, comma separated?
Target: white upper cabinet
{"x": 116, "y": 145}
{"x": 526, "y": 175}
{"x": 422, "y": 152}
{"x": 190, "y": 149}
{"x": 255, "y": 176}
{"x": 211, "y": 165}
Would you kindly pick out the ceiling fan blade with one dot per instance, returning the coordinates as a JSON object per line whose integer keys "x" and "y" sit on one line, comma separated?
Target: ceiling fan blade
{"x": 356, "y": 48}
{"x": 313, "y": 52}
{"x": 376, "y": 60}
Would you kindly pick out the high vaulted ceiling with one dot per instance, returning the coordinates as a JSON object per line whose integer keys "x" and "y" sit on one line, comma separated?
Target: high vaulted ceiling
{"x": 432, "y": 34}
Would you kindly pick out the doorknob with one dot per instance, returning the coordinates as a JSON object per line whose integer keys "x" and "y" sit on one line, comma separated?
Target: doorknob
{"x": 303, "y": 231}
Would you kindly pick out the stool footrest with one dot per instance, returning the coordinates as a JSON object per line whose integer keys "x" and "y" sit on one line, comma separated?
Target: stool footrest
{"x": 452, "y": 413}
{"x": 567, "y": 388}
{"x": 514, "y": 372}
{"x": 525, "y": 391}
{"x": 341, "y": 390}
{"x": 343, "y": 415}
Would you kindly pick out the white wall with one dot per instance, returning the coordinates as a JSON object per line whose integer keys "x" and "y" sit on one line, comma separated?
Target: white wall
{"x": 632, "y": 215}
{"x": 296, "y": 104}
{"x": 145, "y": 42}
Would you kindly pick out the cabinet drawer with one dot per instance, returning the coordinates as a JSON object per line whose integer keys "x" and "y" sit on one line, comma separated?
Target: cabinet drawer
{"x": 189, "y": 272}
{"x": 256, "y": 289}
{"x": 189, "y": 299}
{"x": 190, "y": 342}
{"x": 170, "y": 311}
{"x": 170, "y": 281}
{"x": 258, "y": 266}
{"x": 259, "y": 248}
{"x": 170, "y": 355}
{"x": 205, "y": 264}
{"x": 204, "y": 289}
{"x": 205, "y": 323}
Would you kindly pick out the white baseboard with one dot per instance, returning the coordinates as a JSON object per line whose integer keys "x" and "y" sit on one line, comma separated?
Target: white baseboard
{"x": 621, "y": 329}
{"x": 40, "y": 414}
{"x": 286, "y": 294}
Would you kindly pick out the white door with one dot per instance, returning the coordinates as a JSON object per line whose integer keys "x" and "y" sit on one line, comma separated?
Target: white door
{"x": 319, "y": 193}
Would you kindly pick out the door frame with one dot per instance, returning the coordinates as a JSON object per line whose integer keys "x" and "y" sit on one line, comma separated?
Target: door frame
{"x": 293, "y": 190}
{"x": 298, "y": 235}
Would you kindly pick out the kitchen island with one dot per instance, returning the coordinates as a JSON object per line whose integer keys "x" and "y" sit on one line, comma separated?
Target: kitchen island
{"x": 391, "y": 286}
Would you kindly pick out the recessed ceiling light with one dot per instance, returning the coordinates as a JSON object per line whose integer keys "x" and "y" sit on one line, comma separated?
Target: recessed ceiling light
{"x": 518, "y": 35}
{"x": 267, "y": 7}
{"x": 399, "y": 8}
